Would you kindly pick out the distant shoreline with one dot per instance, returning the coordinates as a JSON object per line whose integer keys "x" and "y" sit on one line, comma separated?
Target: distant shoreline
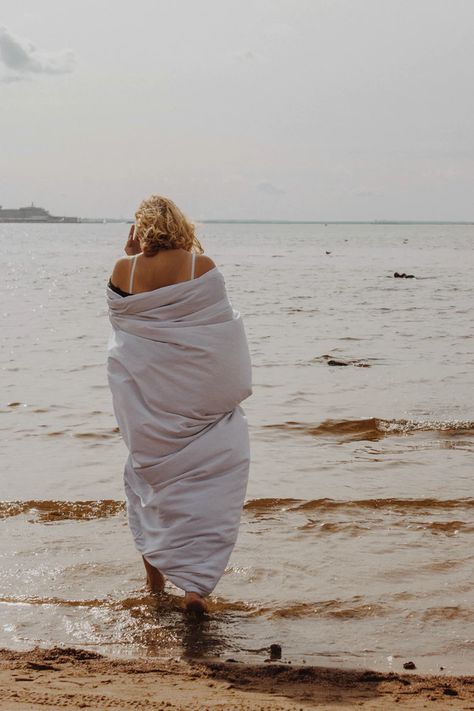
{"x": 230, "y": 221}
{"x": 340, "y": 222}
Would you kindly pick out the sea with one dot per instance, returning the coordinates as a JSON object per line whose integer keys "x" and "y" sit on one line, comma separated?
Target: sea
{"x": 356, "y": 546}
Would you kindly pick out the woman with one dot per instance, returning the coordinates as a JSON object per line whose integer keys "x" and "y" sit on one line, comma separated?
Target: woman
{"x": 178, "y": 366}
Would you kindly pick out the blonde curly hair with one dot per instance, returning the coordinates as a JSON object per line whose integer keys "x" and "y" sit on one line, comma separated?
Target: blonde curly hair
{"x": 160, "y": 224}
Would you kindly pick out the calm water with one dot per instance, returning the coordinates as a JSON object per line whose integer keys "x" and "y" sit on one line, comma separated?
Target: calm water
{"x": 356, "y": 545}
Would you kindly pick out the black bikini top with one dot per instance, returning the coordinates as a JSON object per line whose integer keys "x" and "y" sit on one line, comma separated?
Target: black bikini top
{"x": 118, "y": 290}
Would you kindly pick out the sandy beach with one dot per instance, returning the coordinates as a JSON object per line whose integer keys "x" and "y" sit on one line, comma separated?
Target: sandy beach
{"x": 76, "y": 679}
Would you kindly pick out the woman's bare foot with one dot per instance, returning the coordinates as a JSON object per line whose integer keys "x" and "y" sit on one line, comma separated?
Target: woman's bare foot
{"x": 193, "y": 602}
{"x": 154, "y": 578}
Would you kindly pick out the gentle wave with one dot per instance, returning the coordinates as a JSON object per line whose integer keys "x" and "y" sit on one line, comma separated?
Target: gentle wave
{"x": 394, "y": 504}
{"x": 62, "y": 510}
{"x": 331, "y": 608}
{"x": 166, "y": 602}
{"x": 448, "y": 528}
{"x": 355, "y": 608}
{"x": 391, "y": 504}
{"x": 374, "y": 428}
{"x": 51, "y": 510}
{"x": 270, "y": 504}
{"x": 328, "y": 527}
{"x": 446, "y": 614}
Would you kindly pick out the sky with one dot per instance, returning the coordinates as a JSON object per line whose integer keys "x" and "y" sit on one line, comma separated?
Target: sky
{"x": 243, "y": 109}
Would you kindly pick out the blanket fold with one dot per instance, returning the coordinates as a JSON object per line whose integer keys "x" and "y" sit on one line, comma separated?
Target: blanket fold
{"x": 178, "y": 367}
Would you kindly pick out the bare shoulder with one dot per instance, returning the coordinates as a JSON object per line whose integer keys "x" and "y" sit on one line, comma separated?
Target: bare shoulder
{"x": 120, "y": 270}
{"x": 203, "y": 264}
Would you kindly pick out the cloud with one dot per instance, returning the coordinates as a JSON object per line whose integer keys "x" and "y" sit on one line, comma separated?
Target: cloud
{"x": 269, "y": 188}
{"x": 21, "y": 58}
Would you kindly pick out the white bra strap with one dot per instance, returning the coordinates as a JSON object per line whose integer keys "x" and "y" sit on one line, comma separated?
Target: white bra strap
{"x": 132, "y": 273}
{"x": 192, "y": 264}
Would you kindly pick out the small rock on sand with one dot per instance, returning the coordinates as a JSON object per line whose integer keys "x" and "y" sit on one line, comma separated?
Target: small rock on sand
{"x": 275, "y": 651}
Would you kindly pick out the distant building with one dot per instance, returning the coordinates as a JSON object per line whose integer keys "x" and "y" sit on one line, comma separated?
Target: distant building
{"x": 31, "y": 214}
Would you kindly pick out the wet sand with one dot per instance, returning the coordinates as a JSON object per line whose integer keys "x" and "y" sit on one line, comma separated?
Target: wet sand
{"x": 76, "y": 679}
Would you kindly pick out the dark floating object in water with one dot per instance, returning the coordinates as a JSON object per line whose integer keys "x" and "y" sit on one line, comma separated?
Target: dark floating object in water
{"x": 409, "y": 665}
{"x": 328, "y": 252}
{"x": 335, "y": 361}
{"x": 275, "y": 651}
{"x": 403, "y": 276}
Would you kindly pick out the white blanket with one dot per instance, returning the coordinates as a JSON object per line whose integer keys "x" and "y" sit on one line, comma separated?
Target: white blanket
{"x": 178, "y": 367}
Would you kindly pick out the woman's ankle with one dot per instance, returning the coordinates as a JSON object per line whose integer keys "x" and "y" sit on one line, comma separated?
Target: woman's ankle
{"x": 194, "y": 602}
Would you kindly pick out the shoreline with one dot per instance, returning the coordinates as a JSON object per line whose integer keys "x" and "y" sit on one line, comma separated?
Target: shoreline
{"x": 72, "y": 678}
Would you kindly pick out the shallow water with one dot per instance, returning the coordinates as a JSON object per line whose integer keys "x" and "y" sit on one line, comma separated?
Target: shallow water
{"x": 355, "y": 547}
